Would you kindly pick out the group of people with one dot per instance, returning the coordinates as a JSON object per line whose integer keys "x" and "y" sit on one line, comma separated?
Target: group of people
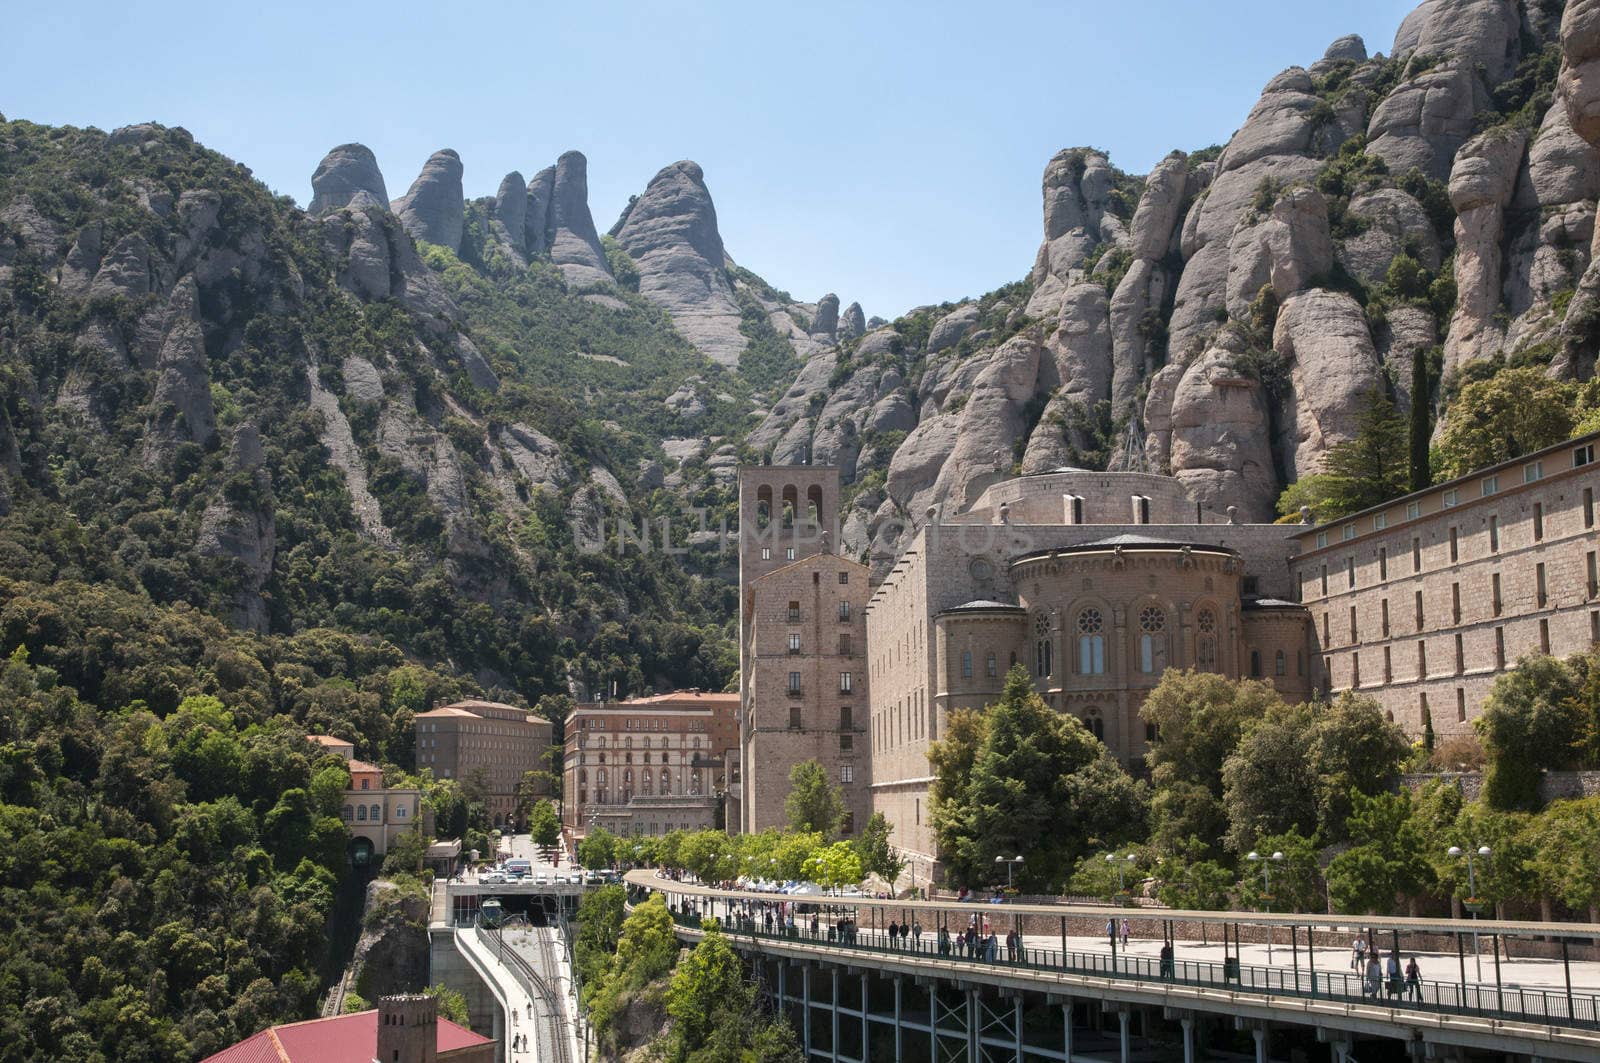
{"x": 1384, "y": 974}
{"x": 1112, "y": 931}
{"x": 901, "y": 933}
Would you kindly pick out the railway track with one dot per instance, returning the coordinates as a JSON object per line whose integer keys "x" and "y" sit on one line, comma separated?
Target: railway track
{"x": 555, "y": 1044}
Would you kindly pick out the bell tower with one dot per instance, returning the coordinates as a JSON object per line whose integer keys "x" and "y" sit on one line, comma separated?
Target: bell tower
{"x": 408, "y": 1029}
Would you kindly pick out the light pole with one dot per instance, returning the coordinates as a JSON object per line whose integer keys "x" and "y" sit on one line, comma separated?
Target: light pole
{"x": 1266, "y": 881}
{"x": 1119, "y": 864}
{"x": 1010, "y": 862}
{"x": 1472, "y": 903}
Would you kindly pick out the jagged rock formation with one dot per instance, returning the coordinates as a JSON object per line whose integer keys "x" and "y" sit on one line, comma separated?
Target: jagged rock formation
{"x": 570, "y": 235}
{"x": 348, "y": 176}
{"x": 825, "y": 323}
{"x": 433, "y": 209}
{"x": 1481, "y": 184}
{"x": 510, "y": 212}
{"x": 670, "y": 232}
{"x": 852, "y": 322}
{"x": 239, "y": 526}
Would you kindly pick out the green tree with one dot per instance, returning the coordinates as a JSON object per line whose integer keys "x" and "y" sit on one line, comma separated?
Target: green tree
{"x": 406, "y": 852}
{"x": 834, "y": 866}
{"x": 714, "y": 1012}
{"x": 1268, "y": 784}
{"x": 647, "y": 947}
{"x": 1295, "y": 886}
{"x": 1512, "y": 413}
{"x": 543, "y": 824}
{"x": 877, "y": 854}
{"x": 452, "y": 1003}
{"x": 1388, "y": 859}
{"x": 1040, "y": 786}
{"x": 1356, "y": 749}
{"x": 814, "y": 805}
{"x": 598, "y": 849}
{"x": 1532, "y": 720}
{"x": 1202, "y": 885}
{"x": 600, "y": 916}
{"x": 1565, "y": 839}
{"x": 1369, "y": 468}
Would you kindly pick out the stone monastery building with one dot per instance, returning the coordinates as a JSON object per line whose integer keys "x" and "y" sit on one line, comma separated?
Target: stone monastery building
{"x": 1097, "y": 582}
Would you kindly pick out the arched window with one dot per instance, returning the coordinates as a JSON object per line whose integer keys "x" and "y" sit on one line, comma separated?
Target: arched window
{"x": 1091, "y": 643}
{"x": 583, "y": 777}
{"x": 1152, "y": 640}
{"x": 814, "y": 506}
{"x": 763, "y": 506}
{"x": 1205, "y": 643}
{"x": 1255, "y": 664}
{"x": 666, "y": 782}
{"x": 347, "y": 815}
{"x": 649, "y": 781}
{"x": 1280, "y": 664}
{"x": 991, "y": 667}
{"x": 1096, "y": 726}
{"x": 600, "y": 777}
{"x": 1043, "y": 651}
{"x": 377, "y": 813}
{"x": 966, "y": 664}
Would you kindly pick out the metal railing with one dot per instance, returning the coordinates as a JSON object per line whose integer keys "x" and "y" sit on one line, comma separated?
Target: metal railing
{"x": 534, "y": 984}
{"x": 1510, "y": 1003}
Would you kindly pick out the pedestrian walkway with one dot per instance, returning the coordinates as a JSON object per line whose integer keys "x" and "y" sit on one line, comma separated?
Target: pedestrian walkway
{"x": 511, "y": 994}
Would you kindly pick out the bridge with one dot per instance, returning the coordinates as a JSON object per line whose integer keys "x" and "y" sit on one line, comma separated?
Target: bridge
{"x": 854, "y": 996}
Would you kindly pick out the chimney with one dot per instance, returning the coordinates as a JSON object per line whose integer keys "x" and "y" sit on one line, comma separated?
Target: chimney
{"x": 408, "y": 1029}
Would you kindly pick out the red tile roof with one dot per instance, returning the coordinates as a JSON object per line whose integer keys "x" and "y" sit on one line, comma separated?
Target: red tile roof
{"x": 361, "y": 765}
{"x": 342, "y": 1039}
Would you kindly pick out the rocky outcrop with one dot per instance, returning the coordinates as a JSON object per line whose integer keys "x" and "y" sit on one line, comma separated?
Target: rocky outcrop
{"x": 1221, "y": 432}
{"x": 1076, "y": 188}
{"x": 1333, "y": 372}
{"x": 1286, "y": 249}
{"x": 571, "y": 238}
{"x": 541, "y": 191}
{"x": 1578, "y": 93}
{"x": 1481, "y": 184}
{"x": 180, "y": 409}
{"x": 348, "y": 176}
{"x": 1079, "y": 368}
{"x": 1478, "y": 31}
{"x": 239, "y": 526}
{"x": 671, "y": 234}
{"x": 948, "y": 330}
{"x": 1392, "y": 223}
{"x": 433, "y": 210}
{"x": 825, "y": 322}
{"x": 1424, "y": 121}
{"x": 509, "y": 212}
{"x": 852, "y": 323}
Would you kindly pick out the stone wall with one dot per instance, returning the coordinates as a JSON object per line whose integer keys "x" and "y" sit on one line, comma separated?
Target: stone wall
{"x": 1553, "y": 785}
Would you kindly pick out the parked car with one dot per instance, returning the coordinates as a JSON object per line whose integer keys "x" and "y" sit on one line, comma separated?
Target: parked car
{"x": 494, "y": 878}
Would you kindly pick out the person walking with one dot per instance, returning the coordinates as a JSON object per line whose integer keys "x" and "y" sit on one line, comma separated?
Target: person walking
{"x": 1011, "y": 945}
{"x": 944, "y": 941}
{"x": 1111, "y": 932}
{"x": 1166, "y": 960}
{"x": 916, "y": 934}
{"x": 990, "y": 946}
{"x": 1358, "y": 950}
{"x": 1374, "y": 979}
{"x": 1125, "y": 935}
{"x": 1414, "y": 980}
{"x": 1392, "y": 982}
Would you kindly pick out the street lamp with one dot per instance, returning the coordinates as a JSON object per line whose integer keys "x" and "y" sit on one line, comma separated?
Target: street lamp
{"x": 1472, "y": 903}
{"x": 1119, "y": 863}
{"x": 1266, "y": 881}
{"x": 1010, "y": 862}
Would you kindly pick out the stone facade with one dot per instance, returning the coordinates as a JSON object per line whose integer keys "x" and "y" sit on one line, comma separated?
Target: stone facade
{"x": 372, "y": 812}
{"x": 1422, "y": 602}
{"x": 802, "y": 643}
{"x": 502, "y": 742}
{"x": 649, "y": 766}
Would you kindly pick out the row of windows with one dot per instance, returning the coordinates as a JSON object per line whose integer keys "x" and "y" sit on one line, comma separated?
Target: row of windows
{"x": 1091, "y": 642}
{"x": 845, "y": 644}
{"x": 1543, "y": 645}
{"x": 627, "y": 742}
{"x": 647, "y": 779}
{"x": 906, "y": 720}
{"x": 1532, "y": 472}
{"x": 793, "y": 614}
{"x": 846, "y": 682}
{"x": 361, "y": 813}
{"x": 1536, "y": 521}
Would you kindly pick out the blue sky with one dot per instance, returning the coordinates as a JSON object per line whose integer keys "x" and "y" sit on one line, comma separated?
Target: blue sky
{"x": 889, "y": 151}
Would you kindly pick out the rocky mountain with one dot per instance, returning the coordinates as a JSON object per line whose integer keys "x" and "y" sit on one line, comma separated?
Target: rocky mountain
{"x": 261, "y": 409}
{"x": 1228, "y": 316}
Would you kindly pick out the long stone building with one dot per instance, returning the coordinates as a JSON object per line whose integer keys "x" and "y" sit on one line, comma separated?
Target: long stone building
{"x": 489, "y": 743}
{"x": 1097, "y": 582}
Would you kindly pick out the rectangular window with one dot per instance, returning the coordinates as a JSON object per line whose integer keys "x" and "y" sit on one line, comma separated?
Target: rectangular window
{"x": 1494, "y": 593}
{"x": 1416, "y": 554}
{"x": 1422, "y": 659}
{"x": 1388, "y": 671}
{"x": 1322, "y": 539}
{"x": 1355, "y": 669}
{"x": 845, "y": 721}
{"x": 847, "y": 773}
{"x": 991, "y": 668}
{"x": 1544, "y": 635}
{"x": 1593, "y": 574}
{"x": 1538, "y": 583}
{"x": 844, "y": 612}
{"x": 966, "y": 664}
{"x": 1383, "y": 562}
{"x": 794, "y": 612}
{"x": 1413, "y": 510}
{"x": 794, "y": 717}
{"x": 1324, "y": 580}
{"x": 1326, "y": 641}
{"x": 794, "y": 642}
{"x": 1490, "y": 484}
{"x": 794, "y": 682}
{"x": 1451, "y": 498}
{"x": 1583, "y": 455}
{"x": 1532, "y": 471}
{"x": 1349, "y": 532}
{"x": 1353, "y": 639}
{"x": 1385, "y": 617}
{"x": 1420, "y": 619}
{"x": 1461, "y": 705}
{"x": 1422, "y": 705}
{"x": 844, "y": 645}
{"x": 1588, "y": 507}
{"x": 788, "y": 553}
{"x": 1455, "y": 603}
{"x": 847, "y": 742}
{"x": 1350, "y": 571}
{"x": 766, "y": 553}
{"x": 1538, "y": 522}
{"x": 1594, "y": 625}
{"x": 1499, "y": 647}
{"x": 1380, "y": 521}
{"x": 1494, "y": 534}
{"x": 1461, "y": 656}
{"x": 844, "y": 577}
{"x": 844, "y": 682}
{"x": 1455, "y": 546}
